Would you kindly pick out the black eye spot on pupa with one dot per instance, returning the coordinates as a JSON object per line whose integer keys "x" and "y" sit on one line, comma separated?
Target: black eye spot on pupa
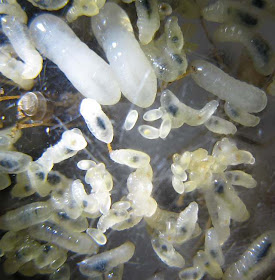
{"x": 53, "y": 179}
{"x": 63, "y": 215}
{"x": 164, "y": 248}
{"x": 100, "y": 123}
{"x": 100, "y": 266}
{"x": 47, "y": 248}
{"x": 9, "y": 164}
{"x": 40, "y": 175}
{"x": 219, "y": 186}
{"x": 177, "y": 58}
{"x": 173, "y": 109}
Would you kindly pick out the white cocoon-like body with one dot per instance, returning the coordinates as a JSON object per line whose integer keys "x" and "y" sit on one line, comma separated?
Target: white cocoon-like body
{"x": 88, "y": 72}
{"x": 134, "y": 73}
{"x": 240, "y": 94}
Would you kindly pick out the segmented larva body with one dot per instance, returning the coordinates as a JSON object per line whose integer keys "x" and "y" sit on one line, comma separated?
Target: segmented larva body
{"x": 136, "y": 77}
{"x": 49, "y": 5}
{"x": 259, "y": 50}
{"x": 148, "y": 19}
{"x": 83, "y": 67}
{"x": 26, "y": 216}
{"x": 12, "y": 8}
{"x": 18, "y": 35}
{"x": 240, "y": 94}
{"x": 255, "y": 260}
{"x": 77, "y": 242}
{"x": 232, "y": 11}
{"x": 84, "y": 8}
{"x": 105, "y": 261}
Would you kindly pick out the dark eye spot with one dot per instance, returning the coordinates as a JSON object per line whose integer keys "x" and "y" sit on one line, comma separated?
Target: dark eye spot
{"x": 175, "y": 39}
{"x": 100, "y": 123}
{"x": 9, "y": 164}
{"x": 183, "y": 229}
{"x": 247, "y": 18}
{"x": 147, "y": 6}
{"x": 101, "y": 266}
{"x": 53, "y": 179}
{"x": 207, "y": 264}
{"x": 18, "y": 255}
{"x": 135, "y": 159}
{"x": 84, "y": 203}
{"x": 173, "y": 109}
{"x": 219, "y": 186}
{"x": 40, "y": 175}
{"x": 164, "y": 248}
{"x": 60, "y": 192}
{"x": 27, "y": 188}
{"x": 213, "y": 253}
{"x": 63, "y": 215}
{"x": 47, "y": 248}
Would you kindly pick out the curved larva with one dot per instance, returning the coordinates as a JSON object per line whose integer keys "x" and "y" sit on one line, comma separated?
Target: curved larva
{"x": 148, "y": 19}
{"x": 240, "y": 116}
{"x": 255, "y": 260}
{"x": 12, "y": 8}
{"x": 97, "y": 121}
{"x": 74, "y": 241}
{"x": 26, "y": 216}
{"x": 84, "y": 8}
{"x": 134, "y": 73}
{"x": 89, "y": 73}
{"x": 104, "y": 262}
{"x": 239, "y": 94}
{"x": 220, "y": 126}
{"x": 18, "y": 35}
{"x": 258, "y": 49}
{"x": 49, "y": 5}
{"x": 14, "y": 162}
{"x": 13, "y": 68}
{"x": 232, "y": 11}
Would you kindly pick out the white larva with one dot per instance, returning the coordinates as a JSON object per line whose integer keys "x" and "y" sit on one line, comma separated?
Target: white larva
{"x": 18, "y": 35}
{"x": 133, "y": 71}
{"x": 148, "y": 19}
{"x": 240, "y": 94}
{"x": 258, "y": 49}
{"x": 255, "y": 260}
{"x": 97, "y": 121}
{"x": 12, "y": 8}
{"x": 105, "y": 261}
{"x": 89, "y": 73}
{"x": 130, "y": 120}
{"x": 220, "y": 126}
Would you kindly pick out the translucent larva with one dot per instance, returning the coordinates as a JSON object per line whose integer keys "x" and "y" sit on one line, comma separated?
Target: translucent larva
{"x": 19, "y": 37}
{"x": 131, "y": 120}
{"x": 240, "y": 178}
{"x": 132, "y": 158}
{"x": 84, "y": 8}
{"x": 153, "y": 115}
{"x": 49, "y": 5}
{"x": 105, "y": 261}
{"x": 54, "y": 39}
{"x": 13, "y": 162}
{"x": 13, "y": 68}
{"x": 148, "y": 19}
{"x": 255, "y": 260}
{"x": 258, "y": 49}
{"x": 26, "y": 216}
{"x": 220, "y": 126}
{"x": 97, "y": 121}
{"x": 77, "y": 242}
{"x": 239, "y": 94}
{"x": 167, "y": 253}
{"x": 134, "y": 73}
{"x": 240, "y": 116}
{"x": 232, "y": 11}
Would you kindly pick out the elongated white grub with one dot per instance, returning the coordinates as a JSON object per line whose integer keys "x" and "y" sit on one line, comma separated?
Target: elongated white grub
{"x": 12, "y": 8}
{"x": 105, "y": 261}
{"x": 89, "y": 73}
{"x": 240, "y": 94}
{"x": 133, "y": 71}
{"x": 97, "y": 121}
